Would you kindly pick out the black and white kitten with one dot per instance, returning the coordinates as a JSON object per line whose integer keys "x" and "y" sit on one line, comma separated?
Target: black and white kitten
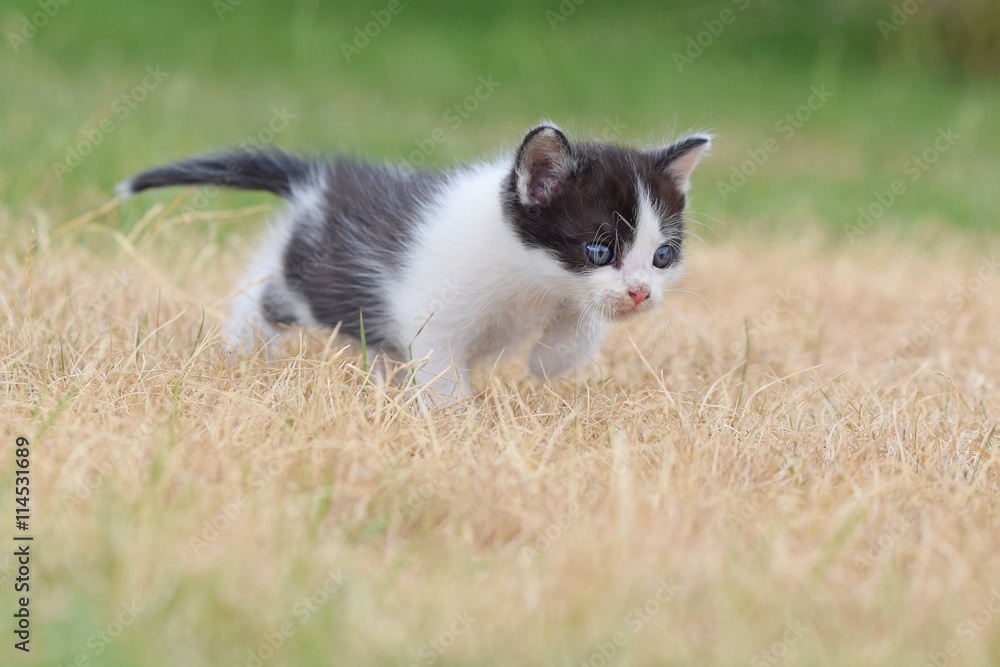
{"x": 551, "y": 245}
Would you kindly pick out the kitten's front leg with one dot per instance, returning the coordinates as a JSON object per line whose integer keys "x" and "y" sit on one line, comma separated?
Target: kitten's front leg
{"x": 568, "y": 342}
{"x": 439, "y": 379}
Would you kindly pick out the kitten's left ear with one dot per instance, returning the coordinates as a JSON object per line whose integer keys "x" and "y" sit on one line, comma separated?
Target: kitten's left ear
{"x": 542, "y": 166}
{"x": 679, "y": 158}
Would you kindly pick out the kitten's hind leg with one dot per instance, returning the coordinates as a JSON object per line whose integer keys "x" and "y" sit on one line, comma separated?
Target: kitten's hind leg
{"x": 260, "y": 314}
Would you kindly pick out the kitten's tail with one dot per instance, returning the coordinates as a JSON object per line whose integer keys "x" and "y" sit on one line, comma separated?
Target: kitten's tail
{"x": 273, "y": 171}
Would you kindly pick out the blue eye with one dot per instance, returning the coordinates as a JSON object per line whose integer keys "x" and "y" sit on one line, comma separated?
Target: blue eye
{"x": 598, "y": 254}
{"x": 664, "y": 256}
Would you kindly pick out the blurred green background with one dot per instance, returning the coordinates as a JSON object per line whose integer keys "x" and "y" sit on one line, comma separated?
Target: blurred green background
{"x": 80, "y": 109}
{"x": 893, "y": 76}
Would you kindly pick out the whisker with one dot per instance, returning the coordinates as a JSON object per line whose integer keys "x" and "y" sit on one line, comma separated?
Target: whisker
{"x": 683, "y": 290}
{"x": 688, "y": 232}
{"x": 690, "y": 212}
{"x": 692, "y": 221}
{"x": 683, "y": 318}
{"x": 541, "y": 295}
{"x": 625, "y": 220}
{"x": 602, "y": 232}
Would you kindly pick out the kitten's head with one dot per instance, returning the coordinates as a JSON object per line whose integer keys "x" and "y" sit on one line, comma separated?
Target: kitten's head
{"x": 611, "y": 216}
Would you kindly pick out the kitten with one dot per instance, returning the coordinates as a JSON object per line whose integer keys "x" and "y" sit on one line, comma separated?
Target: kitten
{"x": 551, "y": 245}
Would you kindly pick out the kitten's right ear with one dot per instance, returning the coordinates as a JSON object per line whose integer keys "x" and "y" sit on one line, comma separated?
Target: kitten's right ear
{"x": 542, "y": 165}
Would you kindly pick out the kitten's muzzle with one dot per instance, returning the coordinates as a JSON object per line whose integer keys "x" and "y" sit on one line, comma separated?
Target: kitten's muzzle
{"x": 634, "y": 303}
{"x": 638, "y": 295}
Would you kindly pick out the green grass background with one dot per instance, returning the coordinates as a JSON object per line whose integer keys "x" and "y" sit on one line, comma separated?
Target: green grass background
{"x": 607, "y": 64}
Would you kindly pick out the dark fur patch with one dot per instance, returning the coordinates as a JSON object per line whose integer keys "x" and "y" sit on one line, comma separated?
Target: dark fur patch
{"x": 337, "y": 259}
{"x": 273, "y": 171}
{"x": 275, "y": 307}
{"x": 597, "y": 203}
{"x": 340, "y": 262}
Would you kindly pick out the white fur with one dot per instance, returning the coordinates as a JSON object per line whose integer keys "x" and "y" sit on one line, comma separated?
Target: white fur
{"x": 247, "y": 325}
{"x": 472, "y": 289}
{"x": 123, "y": 190}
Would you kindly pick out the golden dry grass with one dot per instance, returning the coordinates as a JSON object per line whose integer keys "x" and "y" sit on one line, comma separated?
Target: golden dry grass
{"x": 827, "y": 498}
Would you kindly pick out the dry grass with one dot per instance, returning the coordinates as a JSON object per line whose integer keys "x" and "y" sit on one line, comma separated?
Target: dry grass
{"x": 839, "y": 479}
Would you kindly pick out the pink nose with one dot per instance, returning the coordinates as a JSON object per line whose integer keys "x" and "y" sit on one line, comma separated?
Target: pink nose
{"x": 639, "y": 295}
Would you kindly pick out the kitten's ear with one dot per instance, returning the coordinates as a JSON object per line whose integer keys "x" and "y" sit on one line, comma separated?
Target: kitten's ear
{"x": 679, "y": 158}
{"x": 542, "y": 165}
